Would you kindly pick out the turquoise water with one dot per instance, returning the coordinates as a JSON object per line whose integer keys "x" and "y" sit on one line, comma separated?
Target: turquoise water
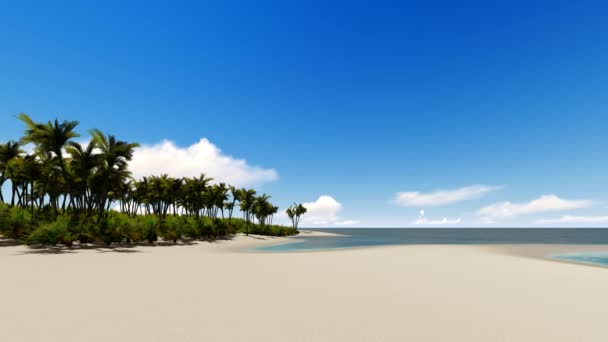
{"x": 363, "y": 237}
{"x": 591, "y": 258}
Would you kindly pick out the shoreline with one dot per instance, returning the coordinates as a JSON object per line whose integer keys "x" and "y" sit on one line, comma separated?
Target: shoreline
{"x": 241, "y": 243}
{"x": 533, "y": 250}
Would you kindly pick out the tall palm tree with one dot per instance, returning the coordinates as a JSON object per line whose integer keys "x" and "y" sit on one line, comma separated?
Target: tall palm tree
{"x": 82, "y": 165}
{"x": 230, "y": 205}
{"x": 247, "y": 201}
{"x": 15, "y": 172}
{"x": 262, "y": 209}
{"x": 194, "y": 194}
{"x": 50, "y": 138}
{"x": 115, "y": 156}
{"x": 216, "y": 196}
{"x": 32, "y": 170}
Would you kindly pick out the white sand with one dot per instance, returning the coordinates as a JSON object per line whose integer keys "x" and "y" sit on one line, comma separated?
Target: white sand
{"x": 318, "y": 233}
{"x": 212, "y": 292}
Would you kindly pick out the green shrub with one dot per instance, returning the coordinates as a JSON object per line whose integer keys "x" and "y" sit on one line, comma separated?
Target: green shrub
{"x": 171, "y": 227}
{"x": 220, "y": 228}
{"x": 191, "y": 228}
{"x": 53, "y": 233}
{"x": 105, "y": 230}
{"x": 48, "y": 228}
{"x": 149, "y": 227}
{"x": 15, "y": 223}
{"x": 132, "y": 232}
{"x": 206, "y": 228}
{"x": 122, "y": 228}
{"x": 272, "y": 230}
{"x": 84, "y": 229}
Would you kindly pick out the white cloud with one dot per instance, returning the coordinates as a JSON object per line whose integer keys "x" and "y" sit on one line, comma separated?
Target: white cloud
{"x": 542, "y": 204}
{"x": 486, "y": 220}
{"x": 443, "y": 197}
{"x": 324, "y": 211}
{"x": 422, "y": 220}
{"x": 346, "y": 223}
{"x": 443, "y": 221}
{"x": 201, "y": 157}
{"x": 575, "y": 219}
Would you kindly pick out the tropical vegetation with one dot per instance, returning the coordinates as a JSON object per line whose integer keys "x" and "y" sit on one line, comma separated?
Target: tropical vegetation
{"x": 294, "y": 213}
{"x": 66, "y": 192}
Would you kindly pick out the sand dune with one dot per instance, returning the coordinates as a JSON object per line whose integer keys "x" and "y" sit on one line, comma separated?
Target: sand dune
{"x": 217, "y": 292}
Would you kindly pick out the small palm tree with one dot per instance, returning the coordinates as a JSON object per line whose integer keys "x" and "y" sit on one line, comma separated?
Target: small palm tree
{"x": 294, "y": 213}
{"x": 8, "y": 151}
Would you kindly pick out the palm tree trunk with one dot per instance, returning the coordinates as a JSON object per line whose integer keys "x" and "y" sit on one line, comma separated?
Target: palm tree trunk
{"x": 13, "y": 188}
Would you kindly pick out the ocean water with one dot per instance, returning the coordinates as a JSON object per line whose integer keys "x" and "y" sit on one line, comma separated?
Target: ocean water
{"x": 590, "y": 258}
{"x": 362, "y": 237}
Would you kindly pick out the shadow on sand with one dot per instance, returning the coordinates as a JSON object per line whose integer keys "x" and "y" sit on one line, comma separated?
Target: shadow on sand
{"x": 260, "y": 237}
{"x": 114, "y": 248}
{"x": 8, "y": 243}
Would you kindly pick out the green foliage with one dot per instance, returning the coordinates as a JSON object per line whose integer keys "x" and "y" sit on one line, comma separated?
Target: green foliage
{"x": 191, "y": 228}
{"x": 272, "y": 230}
{"x": 15, "y": 223}
{"x": 171, "y": 228}
{"x": 62, "y": 192}
{"x": 149, "y": 227}
{"x": 83, "y": 229}
{"x": 53, "y": 233}
{"x": 113, "y": 228}
{"x": 65, "y": 229}
{"x": 294, "y": 213}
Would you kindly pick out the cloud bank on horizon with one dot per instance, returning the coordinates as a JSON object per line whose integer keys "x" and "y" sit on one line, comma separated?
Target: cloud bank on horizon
{"x": 423, "y": 220}
{"x": 571, "y": 219}
{"x": 504, "y": 212}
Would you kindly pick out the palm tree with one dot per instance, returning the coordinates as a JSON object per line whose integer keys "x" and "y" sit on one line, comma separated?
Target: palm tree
{"x": 83, "y": 164}
{"x": 216, "y": 195}
{"x": 14, "y": 171}
{"x": 247, "y": 200}
{"x": 262, "y": 209}
{"x": 272, "y": 211}
{"x": 294, "y": 213}
{"x": 113, "y": 171}
{"x": 50, "y": 138}
{"x": 194, "y": 194}
{"x": 8, "y": 151}
{"x": 31, "y": 170}
{"x": 230, "y": 205}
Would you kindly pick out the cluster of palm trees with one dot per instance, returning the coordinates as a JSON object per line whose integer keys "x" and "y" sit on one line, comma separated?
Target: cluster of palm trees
{"x": 295, "y": 212}
{"x": 60, "y": 175}
{"x": 193, "y": 197}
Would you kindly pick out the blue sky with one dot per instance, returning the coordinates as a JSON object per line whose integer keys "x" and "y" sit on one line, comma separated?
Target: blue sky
{"x": 461, "y": 106}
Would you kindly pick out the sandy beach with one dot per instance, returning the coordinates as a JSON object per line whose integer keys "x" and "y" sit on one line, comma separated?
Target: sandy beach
{"x": 219, "y": 292}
